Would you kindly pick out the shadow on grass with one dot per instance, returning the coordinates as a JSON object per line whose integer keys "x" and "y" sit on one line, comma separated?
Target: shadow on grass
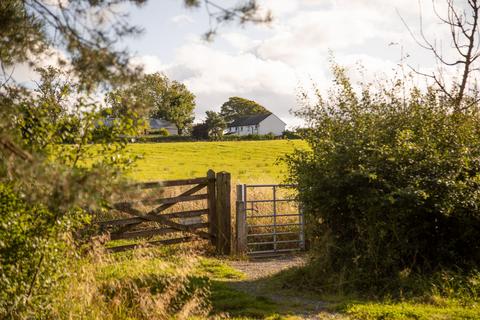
{"x": 261, "y": 298}
{"x": 278, "y": 297}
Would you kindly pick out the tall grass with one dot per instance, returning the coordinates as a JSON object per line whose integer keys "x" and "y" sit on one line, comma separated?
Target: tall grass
{"x": 140, "y": 284}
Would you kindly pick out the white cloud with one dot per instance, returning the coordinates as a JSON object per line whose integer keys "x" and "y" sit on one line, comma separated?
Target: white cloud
{"x": 239, "y": 41}
{"x": 182, "y": 19}
{"x": 269, "y": 64}
{"x": 214, "y": 76}
{"x": 150, "y": 63}
{"x": 25, "y": 74}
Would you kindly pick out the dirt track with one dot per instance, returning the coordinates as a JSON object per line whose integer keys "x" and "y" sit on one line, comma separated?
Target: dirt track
{"x": 259, "y": 272}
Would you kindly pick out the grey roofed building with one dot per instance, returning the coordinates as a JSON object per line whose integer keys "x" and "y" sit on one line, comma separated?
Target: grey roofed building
{"x": 156, "y": 124}
{"x": 248, "y": 120}
{"x": 153, "y": 124}
{"x": 267, "y": 123}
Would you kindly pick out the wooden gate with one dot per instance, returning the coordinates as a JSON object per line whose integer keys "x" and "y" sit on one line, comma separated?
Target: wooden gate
{"x": 269, "y": 220}
{"x": 153, "y": 213}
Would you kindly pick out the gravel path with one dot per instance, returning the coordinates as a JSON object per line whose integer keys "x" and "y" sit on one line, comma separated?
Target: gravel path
{"x": 261, "y": 268}
{"x": 259, "y": 271}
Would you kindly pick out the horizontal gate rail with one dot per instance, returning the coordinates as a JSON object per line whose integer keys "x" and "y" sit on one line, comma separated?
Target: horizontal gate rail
{"x": 170, "y": 183}
{"x": 152, "y": 232}
{"x": 276, "y": 225}
{"x": 151, "y": 243}
{"x": 276, "y": 251}
{"x": 145, "y": 216}
{"x": 273, "y": 242}
{"x": 180, "y": 214}
{"x": 270, "y": 185}
{"x": 277, "y": 200}
{"x": 273, "y": 215}
{"x": 276, "y": 235}
{"x": 270, "y": 234}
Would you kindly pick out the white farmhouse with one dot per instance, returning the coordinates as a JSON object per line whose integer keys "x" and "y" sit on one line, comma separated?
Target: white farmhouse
{"x": 257, "y": 124}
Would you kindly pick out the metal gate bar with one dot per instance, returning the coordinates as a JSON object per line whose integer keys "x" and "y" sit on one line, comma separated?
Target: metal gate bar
{"x": 256, "y": 242}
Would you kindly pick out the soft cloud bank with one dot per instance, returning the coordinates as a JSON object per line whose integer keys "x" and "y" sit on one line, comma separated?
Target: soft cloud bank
{"x": 270, "y": 63}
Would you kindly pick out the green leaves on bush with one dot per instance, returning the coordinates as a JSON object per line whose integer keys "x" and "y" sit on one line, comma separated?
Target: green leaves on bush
{"x": 31, "y": 255}
{"x": 390, "y": 186}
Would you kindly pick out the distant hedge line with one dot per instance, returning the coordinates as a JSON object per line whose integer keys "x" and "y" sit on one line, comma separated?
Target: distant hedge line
{"x": 251, "y": 137}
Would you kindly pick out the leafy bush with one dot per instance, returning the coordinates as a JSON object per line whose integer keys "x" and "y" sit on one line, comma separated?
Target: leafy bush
{"x": 390, "y": 187}
{"x": 288, "y": 134}
{"x": 31, "y": 255}
{"x": 163, "y": 132}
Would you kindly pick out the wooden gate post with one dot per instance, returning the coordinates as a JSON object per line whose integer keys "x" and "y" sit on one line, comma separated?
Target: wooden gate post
{"x": 241, "y": 217}
{"x": 212, "y": 203}
{"x": 224, "y": 214}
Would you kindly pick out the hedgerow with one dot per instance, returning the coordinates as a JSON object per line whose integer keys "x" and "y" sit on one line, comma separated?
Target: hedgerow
{"x": 390, "y": 187}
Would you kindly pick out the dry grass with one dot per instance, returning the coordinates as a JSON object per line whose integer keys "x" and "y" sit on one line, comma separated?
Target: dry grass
{"x": 255, "y": 211}
{"x": 142, "y": 284}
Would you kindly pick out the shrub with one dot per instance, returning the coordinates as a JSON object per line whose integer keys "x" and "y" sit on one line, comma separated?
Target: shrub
{"x": 390, "y": 187}
{"x": 163, "y": 132}
{"x": 31, "y": 256}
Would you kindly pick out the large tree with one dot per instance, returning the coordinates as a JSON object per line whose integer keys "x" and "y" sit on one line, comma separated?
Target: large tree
{"x": 236, "y": 106}
{"x": 156, "y": 96}
{"x": 174, "y": 102}
{"x": 215, "y": 124}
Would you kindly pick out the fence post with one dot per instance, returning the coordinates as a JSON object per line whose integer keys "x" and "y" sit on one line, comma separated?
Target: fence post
{"x": 241, "y": 218}
{"x": 224, "y": 214}
{"x": 212, "y": 203}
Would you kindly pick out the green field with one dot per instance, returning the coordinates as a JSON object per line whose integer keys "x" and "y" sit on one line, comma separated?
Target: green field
{"x": 247, "y": 161}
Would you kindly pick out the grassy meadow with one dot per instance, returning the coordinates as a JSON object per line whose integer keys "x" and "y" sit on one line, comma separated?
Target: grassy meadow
{"x": 247, "y": 161}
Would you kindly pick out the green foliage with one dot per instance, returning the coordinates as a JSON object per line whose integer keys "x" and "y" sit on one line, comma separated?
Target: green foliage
{"x": 200, "y": 131}
{"x": 163, "y": 132}
{"x": 32, "y": 28}
{"x": 389, "y": 187}
{"x": 60, "y": 121}
{"x": 31, "y": 255}
{"x": 404, "y": 311}
{"x": 215, "y": 125}
{"x": 236, "y": 106}
{"x": 60, "y": 176}
{"x": 239, "y": 304}
{"x": 289, "y": 134}
{"x": 159, "y": 97}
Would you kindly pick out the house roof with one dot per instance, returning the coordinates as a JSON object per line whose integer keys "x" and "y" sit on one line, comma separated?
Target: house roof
{"x": 249, "y": 120}
{"x": 159, "y": 123}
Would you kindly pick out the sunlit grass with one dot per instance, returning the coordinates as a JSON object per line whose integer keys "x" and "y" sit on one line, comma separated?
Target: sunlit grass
{"x": 247, "y": 161}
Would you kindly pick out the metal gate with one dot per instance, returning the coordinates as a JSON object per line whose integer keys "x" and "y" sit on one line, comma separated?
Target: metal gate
{"x": 269, "y": 219}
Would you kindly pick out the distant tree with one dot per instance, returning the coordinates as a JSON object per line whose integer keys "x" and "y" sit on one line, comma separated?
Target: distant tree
{"x": 200, "y": 131}
{"x": 177, "y": 105}
{"x": 236, "y": 106}
{"x": 159, "y": 97}
{"x": 215, "y": 124}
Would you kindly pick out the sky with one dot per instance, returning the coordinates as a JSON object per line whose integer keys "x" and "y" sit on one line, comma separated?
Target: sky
{"x": 272, "y": 63}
